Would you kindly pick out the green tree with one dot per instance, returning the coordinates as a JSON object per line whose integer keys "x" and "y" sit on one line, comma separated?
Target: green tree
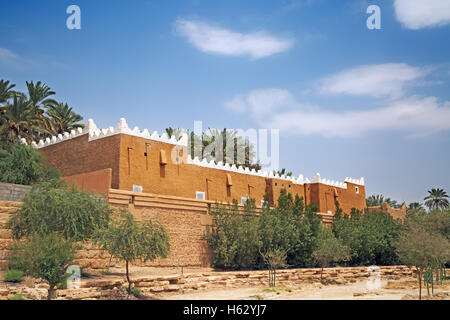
{"x": 21, "y": 164}
{"x": 64, "y": 118}
{"x": 129, "y": 241}
{"x": 234, "y": 237}
{"x": 283, "y": 172}
{"x": 420, "y": 247}
{"x": 74, "y": 214}
{"x": 370, "y": 237}
{"x": 19, "y": 120}
{"x": 329, "y": 249}
{"x": 44, "y": 256}
{"x": 437, "y": 199}
{"x": 6, "y": 91}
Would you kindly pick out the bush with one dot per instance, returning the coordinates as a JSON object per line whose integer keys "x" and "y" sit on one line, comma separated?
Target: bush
{"x": 21, "y": 164}
{"x": 44, "y": 256}
{"x": 14, "y": 275}
{"x": 241, "y": 240}
{"x": 136, "y": 292}
{"x": 129, "y": 241}
{"x": 235, "y": 237}
{"x": 291, "y": 227}
{"x": 74, "y": 214}
{"x": 370, "y": 237}
{"x": 18, "y": 296}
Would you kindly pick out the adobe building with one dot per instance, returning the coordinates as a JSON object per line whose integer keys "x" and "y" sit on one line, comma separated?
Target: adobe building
{"x": 121, "y": 158}
{"x": 152, "y": 176}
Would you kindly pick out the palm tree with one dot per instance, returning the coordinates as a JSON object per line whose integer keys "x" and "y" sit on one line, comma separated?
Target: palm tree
{"x": 63, "y": 118}
{"x": 415, "y": 206}
{"x": 19, "y": 121}
{"x": 437, "y": 199}
{"x": 6, "y": 91}
{"x": 178, "y": 133}
{"x": 39, "y": 94}
{"x": 283, "y": 172}
{"x": 375, "y": 200}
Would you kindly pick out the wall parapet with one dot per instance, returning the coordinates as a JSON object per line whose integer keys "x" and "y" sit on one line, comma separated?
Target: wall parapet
{"x": 95, "y": 133}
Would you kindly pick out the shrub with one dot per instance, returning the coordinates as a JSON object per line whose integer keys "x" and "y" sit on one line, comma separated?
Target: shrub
{"x": 129, "y": 241}
{"x": 44, "y": 256}
{"x": 370, "y": 237}
{"x": 136, "y": 292}
{"x": 17, "y": 296}
{"x": 329, "y": 249}
{"x": 234, "y": 238}
{"x": 72, "y": 213}
{"x": 14, "y": 275}
{"x": 21, "y": 164}
{"x": 420, "y": 247}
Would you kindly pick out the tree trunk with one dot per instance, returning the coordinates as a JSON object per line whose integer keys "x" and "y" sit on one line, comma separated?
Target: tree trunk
{"x": 128, "y": 278}
{"x": 420, "y": 284}
{"x": 51, "y": 291}
{"x": 321, "y": 273}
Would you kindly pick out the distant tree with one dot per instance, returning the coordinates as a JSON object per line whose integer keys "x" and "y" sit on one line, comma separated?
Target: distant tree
{"x": 282, "y": 172}
{"x": 329, "y": 249}
{"x": 44, "y": 256}
{"x": 129, "y": 241}
{"x": 421, "y": 248}
{"x": 379, "y": 199}
{"x": 437, "y": 199}
{"x": 175, "y": 132}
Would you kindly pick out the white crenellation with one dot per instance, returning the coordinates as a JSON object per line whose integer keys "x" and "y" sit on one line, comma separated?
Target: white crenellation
{"x": 122, "y": 127}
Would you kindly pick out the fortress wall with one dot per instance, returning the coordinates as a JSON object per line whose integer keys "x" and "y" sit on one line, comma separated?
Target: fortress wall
{"x": 78, "y": 155}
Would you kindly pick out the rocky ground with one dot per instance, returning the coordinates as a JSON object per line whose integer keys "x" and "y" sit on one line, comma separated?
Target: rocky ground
{"x": 206, "y": 284}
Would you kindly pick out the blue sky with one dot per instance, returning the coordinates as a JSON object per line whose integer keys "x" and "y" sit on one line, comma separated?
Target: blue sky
{"x": 348, "y": 101}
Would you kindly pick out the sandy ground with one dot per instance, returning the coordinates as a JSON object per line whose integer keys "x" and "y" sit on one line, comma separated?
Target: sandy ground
{"x": 388, "y": 290}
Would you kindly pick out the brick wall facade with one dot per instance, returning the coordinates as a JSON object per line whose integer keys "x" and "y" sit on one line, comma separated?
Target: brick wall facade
{"x": 137, "y": 161}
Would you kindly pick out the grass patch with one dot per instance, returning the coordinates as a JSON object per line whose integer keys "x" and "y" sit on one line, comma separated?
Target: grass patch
{"x": 14, "y": 276}
{"x": 85, "y": 274}
{"x": 18, "y": 296}
{"x": 136, "y": 292}
{"x": 106, "y": 272}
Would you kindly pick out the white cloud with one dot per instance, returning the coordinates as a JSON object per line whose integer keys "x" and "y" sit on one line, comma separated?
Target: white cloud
{"x": 414, "y": 115}
{"x": 374, "y": 80}
{"x": 9, "y": 58}
{"x": 417, "y": 14}
{"x": 212, "y": 39}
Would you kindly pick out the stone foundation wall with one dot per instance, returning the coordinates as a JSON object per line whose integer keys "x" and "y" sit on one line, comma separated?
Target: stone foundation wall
{"x": 12, "y": 192}
{"x": 151, "y": 285}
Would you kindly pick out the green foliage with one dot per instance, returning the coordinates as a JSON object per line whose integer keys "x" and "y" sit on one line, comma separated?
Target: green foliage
{"x": 370, "y": 237}
{"x": 235, "y": 237}
{"x": 18, "y": 296}
{"x": 275, "y": 258}
{"x": 129, "y": 241}
{"x": 329, "y": 249}
{"x": 74, "y": 214}
{"x": 238, "y": 238}
{"x": 34, "y": 115}
{"x": 437, "y": 199}
{"x": 292, "y": 227}
{"x": 136, "y": 292}
{"x": 44, "y": 256}
{"x": 21, "y": 164}
{"x": 14, "y": 275}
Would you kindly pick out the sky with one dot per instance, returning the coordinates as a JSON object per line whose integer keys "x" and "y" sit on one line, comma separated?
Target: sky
{"x": 349, "y": 101}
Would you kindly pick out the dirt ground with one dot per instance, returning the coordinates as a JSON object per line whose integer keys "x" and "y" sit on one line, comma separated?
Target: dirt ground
{"x": 404, "y": 289}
